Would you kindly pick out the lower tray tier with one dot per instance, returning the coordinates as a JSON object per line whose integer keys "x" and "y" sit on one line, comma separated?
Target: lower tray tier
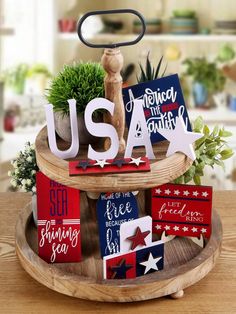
{"x": 185, "y": 263}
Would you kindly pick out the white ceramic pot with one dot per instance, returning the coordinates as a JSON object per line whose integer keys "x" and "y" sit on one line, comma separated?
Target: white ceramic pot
{"x": 34, "y": 209}
{"x": 63, "y": 128}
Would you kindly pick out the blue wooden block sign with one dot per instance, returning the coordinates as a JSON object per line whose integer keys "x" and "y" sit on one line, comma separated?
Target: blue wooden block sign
{"x": 163, "y": 101}
{"x": 113, "y": 209}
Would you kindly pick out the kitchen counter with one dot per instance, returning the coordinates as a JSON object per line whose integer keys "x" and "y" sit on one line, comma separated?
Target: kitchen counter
{"x": 19, "y": 293}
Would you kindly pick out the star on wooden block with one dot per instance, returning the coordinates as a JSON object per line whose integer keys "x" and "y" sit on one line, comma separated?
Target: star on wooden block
{"x": 138, "y": 238}
{"x": 83, "y": 164}
{"x": 180, "y": 139}
{"x": 101, "y": 163}
{"x": 151, "y": 263}
{"x": 120, "y": 270}
{"x": 136, "y": 161}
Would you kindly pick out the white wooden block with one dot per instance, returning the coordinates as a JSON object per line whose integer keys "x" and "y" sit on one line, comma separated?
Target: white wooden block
{"x": 128, "y": 229}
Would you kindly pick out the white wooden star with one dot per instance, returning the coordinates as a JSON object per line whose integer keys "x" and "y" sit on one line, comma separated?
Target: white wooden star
{"x": 176, "y": 192}
{"x": 176, "y": 228}
{"x": 186, "y": 193}
{"x": 167, "y": 192}
{"x": 158, "y": 227}
{"x": 151, "y": 263}
{"x": 203, "y": 230}
{"x": 185, "y": 229}
{"x": 158, "y": 191}
{"x": 101, "y": 163}
{"x": 194, "y": 229}
{"x": 180, "y": 139}
{"x": 195, "y": 193}
{"x": 167, "y": 227}
{"x": 205, "y": 194}
{"x": 137, "y": 161}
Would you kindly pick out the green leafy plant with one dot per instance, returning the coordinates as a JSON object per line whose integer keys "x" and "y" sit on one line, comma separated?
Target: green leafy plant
{"x": 205, "y": 73}
{"x": 211, "y": 150}
{"x": 39, "y": 69}
{"x": 14, "y": 77}
{"x": 24, "y": 169}
{"x": 80, "y": 81}
{"x": 150, "y": 73}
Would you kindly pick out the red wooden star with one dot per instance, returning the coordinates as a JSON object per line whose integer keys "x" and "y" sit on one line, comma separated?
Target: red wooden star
{"x": 138, "y": 238}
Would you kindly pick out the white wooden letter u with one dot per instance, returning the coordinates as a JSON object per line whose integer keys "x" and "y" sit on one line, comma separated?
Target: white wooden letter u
{"x": 74, "y": 148}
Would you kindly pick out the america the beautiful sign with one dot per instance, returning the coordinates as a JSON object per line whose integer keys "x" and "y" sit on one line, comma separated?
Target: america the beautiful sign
{"x": 163, "y": 101}
{"x": 58, "y": 221}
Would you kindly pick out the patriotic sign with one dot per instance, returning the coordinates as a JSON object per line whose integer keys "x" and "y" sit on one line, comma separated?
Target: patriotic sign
{"x": 113, "y": 209}
{"x": 58, "y": 221}
{"x": 182, "y": 210}
{"x": 162, "y": 102}
{"x": 120, "y": 165}
{"x": 134, "y": 264}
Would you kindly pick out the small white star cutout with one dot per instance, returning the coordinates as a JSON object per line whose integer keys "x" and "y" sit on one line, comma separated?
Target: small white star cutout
{"x": 151, "y": 263}
{"x": 158, "y": 191}
{"x": 167, "y": 227}
{"x": 176, "y": 228}
{"x": 205, "y": 194}
{"x": 195, "y": 193}
{"x": 185, "y": 229}
{"x": 176, "y": 192}
{"x": 167, "y": 192}
{"x": 186, "y": 193}
{"x": 203, "y": 230}
{"x": 194, "y": 229}
{"x": 158, "y": 227}
{"x": 137, "y": 161}
{"x": 180, "y": 139}
{"x": 101, "y": 163}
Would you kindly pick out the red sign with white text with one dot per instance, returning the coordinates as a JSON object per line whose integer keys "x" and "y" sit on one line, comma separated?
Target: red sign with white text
{"x": 58, "y": 221}
{"x": 182, "y": 210}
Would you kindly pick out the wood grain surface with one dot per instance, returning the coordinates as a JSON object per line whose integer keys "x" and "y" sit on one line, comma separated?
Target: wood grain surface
{"x": 21, "y": 294}
{"x": 163, "y": 169}
{"x": 185, "y": 263}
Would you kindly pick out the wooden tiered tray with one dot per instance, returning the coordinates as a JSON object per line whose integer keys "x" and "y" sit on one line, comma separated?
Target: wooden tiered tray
{"x": 185, "y": 262}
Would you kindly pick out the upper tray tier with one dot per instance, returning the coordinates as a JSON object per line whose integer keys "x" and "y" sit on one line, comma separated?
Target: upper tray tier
{"x": 163, "y": 170}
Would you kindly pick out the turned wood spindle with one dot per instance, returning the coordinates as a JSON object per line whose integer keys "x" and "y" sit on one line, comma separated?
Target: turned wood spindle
{"x": 112, "y": 61}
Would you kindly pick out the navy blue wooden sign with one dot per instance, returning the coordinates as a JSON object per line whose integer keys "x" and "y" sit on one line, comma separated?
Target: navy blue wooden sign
{"x": 113, "y": 209}
{"x": 163, "y": 101}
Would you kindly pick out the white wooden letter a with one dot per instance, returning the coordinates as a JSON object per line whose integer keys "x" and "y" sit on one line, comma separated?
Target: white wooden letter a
{"x": 138, "y": 120}
{"x": 74, "y": 148}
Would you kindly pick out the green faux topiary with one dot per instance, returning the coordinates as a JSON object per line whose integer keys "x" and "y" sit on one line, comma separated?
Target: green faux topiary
{"x": 80, "y": 81}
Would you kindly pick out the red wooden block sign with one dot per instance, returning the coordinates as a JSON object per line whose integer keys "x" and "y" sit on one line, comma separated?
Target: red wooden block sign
{"x": 58, "y": 221}
{"x": 182, "y": 210}
{"x": 120, "y": 165}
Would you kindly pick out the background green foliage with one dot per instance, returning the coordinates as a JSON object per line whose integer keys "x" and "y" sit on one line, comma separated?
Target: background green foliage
{"x": 80, "y": 81}
{"x": 211, "y": 150}
{"x": 206, "y": 73}
{"x": 150, "y": 73}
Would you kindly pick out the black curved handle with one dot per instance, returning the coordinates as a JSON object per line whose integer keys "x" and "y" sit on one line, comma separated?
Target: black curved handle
{"x": 126, "y": 43}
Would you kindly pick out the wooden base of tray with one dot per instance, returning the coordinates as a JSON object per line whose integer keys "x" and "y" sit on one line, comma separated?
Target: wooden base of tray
{"x": 185, "y": 263}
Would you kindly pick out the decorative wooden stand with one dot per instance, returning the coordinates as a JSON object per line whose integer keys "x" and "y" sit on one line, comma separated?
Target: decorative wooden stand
{"x": 185, "y": 262}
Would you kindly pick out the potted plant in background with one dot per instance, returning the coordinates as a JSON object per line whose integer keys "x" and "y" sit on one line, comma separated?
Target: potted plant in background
{"x": 37, "y": 79}
{"x": 14, "y": 78}
{"x": 82, "y": 82}
{"x": 24, "y": 174}
{"x": 207, "y": 80}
